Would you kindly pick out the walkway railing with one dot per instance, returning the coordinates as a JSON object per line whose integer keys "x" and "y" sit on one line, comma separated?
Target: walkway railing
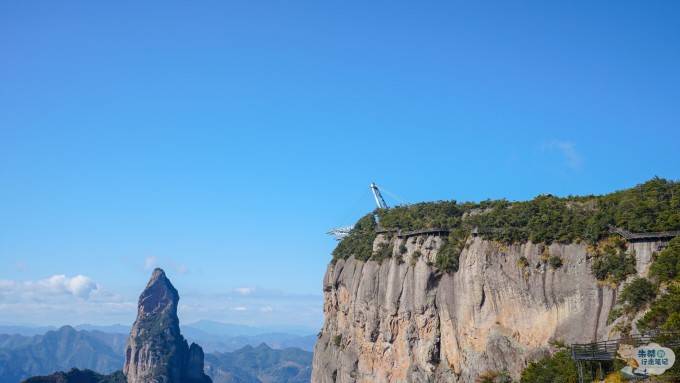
{"x": 410, "y": 233}
{"x": 630, "y": 236}
{"x": 607, "y": 350}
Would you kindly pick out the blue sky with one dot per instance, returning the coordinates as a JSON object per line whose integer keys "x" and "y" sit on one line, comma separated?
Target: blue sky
{"x": 221, "y": 140}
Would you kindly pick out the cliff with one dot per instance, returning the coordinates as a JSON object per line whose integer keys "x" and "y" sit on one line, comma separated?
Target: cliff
{"x": 404, "y": 320}
{"x": 451, "y": 292}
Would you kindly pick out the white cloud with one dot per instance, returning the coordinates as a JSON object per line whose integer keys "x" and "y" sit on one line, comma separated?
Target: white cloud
{"x": 567, "y": 149}
{"x": 61, "y": 299}
{"x": 73, "y": 299}
{"x": 245, "y": 290}
{"x": 78, "y": 286}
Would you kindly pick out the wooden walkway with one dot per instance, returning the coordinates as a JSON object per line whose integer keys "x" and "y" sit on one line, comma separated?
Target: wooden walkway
{"x": 608, "y": 349}
{"x": 632, "y": 237}
{"x": 411, "y": 233}
{"x": 629, "y": 236}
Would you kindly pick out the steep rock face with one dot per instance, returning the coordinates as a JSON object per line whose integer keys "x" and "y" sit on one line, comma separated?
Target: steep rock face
{"x": 156, "y": 351}
{"x": 403, "y": 321}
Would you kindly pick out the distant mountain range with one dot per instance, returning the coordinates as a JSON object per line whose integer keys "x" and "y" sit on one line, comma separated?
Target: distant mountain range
{"x": 21, "y": 356}
{"x": 212, "y": 336}
{"x": 231, "y": 329}
{"x": 86, "y": 347}
{"x": 260, "y": 364}
{"x": 208, "y": 326}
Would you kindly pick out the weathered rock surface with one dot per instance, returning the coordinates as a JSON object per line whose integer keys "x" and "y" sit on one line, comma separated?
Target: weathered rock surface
{"x": 156, "y": 351}
{"x": 407, "y": 322}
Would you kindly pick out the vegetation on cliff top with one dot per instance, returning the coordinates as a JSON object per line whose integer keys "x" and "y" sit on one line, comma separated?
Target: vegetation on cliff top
{"x": 359, "y": 243}
{"x": 652, "y": 206}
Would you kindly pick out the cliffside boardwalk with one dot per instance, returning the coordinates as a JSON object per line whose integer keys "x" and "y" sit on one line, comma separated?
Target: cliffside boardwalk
{"x": 629, "y": 236}
{"x": 411, "y": 233}
{"x": 650, "y": 236}
{"x": 609, "y": 350}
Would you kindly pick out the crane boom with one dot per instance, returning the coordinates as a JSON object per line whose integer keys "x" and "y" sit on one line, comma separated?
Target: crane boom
{"x": 379, "y": 200}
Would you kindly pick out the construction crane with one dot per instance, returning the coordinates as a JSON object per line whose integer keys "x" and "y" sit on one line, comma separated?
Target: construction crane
{"x": 378, "y": 197}
{"x": 341, "y": 232}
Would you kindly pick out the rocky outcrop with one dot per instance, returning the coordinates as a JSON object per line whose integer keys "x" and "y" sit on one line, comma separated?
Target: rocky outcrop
{"x": 404, "y": 321}
{"x": 156, "y": 351}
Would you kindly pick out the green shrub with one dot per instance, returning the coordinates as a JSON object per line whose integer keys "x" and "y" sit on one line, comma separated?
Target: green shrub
{"x": 614, "y": 268}
{"x": 447, "y": 259}
{"x": 666, "y": 266}
{"x": 359, "y": 242}
{"x": 555, "y": 262}
{"x": 449, "y": 252}
{"x": 522, "y": 262}
{"x": 494, "y": 377}
{"x": 337, "y": 339}
{"x": 558, "y": 368}
{"x": 652, "y": 206}
{"x": 383, "y": 252}
{"x": 637, "y": 294}
{"x": 402, "y": 249}
{"x": 614, "y": 314}
{"x": 664, "y": 312}
{"x": 415, "y": 256}
{"x": 611, "y": 261}
{"x": 442, "y": 214}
